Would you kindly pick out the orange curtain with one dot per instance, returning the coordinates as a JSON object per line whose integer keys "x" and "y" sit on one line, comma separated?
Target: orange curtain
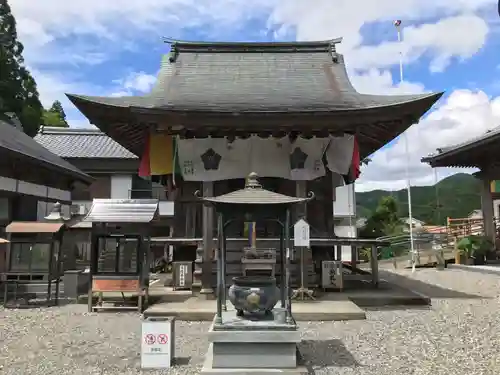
{"x": 158, "y": 155}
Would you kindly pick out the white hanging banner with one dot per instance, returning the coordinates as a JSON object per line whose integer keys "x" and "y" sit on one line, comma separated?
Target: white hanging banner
{"x": 269, "y": 157}
{"x": 306, "y": 158}
{"x": 339, "y": 153}
{"x": 213, "y": 159}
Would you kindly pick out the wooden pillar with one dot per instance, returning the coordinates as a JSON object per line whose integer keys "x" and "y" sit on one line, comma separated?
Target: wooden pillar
{"x": 208, "y": 242}
{"x": 198, "y": 269}
{"x": 487, "y": 208}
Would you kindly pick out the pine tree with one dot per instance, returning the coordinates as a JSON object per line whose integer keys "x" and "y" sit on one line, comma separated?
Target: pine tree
{"x": 55, "y": 116}
{"x": 58, "y": 108}
{"x": 18, "y": 91}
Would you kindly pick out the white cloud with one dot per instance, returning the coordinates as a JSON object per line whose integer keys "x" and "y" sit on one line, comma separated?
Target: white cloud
{"x": 381, "y": 82}
{"x": 460, "y": 36}
{"x": 135, "y": 83}
{"x": 73, "y": 33}
{"x": 463, "y": 115}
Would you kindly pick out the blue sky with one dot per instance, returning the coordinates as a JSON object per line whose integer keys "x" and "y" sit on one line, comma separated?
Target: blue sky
{"x": 100, "y": 47}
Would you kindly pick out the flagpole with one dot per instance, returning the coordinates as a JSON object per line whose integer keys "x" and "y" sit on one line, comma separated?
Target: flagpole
{"x": 405, "y": 135}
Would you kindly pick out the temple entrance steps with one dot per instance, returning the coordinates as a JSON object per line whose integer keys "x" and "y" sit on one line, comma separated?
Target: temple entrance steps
{"x": 347, "y": 305}
{"x": 196, "y": 309}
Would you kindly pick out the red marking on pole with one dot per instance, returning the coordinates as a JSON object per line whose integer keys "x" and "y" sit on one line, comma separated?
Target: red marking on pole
{"x": 150, "y": 339}
{"x": 162, "y": 339}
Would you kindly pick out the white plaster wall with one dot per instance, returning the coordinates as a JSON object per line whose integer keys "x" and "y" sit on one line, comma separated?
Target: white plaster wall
{"x": 120, "y": 186}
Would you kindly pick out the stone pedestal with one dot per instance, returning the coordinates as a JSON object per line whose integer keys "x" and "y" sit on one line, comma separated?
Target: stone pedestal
{"x": 76, "y": 282}
{"x": 242, "y": 346}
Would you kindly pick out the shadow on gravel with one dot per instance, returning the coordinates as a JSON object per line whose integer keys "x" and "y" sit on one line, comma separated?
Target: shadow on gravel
{"x": 181, "y": 361}
{"x": 428, "y": 290}
{"x": 22, "y": 303}
{"x": 318, "y": 354}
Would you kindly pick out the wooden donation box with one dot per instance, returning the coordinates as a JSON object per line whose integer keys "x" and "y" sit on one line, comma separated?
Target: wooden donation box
{"x": 116, "y": 285}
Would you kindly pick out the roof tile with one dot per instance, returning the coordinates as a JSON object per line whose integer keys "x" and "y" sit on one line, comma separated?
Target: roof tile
{"x": 14, "y": 140}
{"x": 81, "y": 143}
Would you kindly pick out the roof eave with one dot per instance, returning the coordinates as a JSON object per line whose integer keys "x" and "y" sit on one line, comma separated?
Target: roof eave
{"x": 78, "y": 176}
{"x": 84, "y": 104}
{"x": 455, "y": 152}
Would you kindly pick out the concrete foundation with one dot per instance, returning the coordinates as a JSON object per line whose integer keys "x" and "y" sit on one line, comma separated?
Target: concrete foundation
{"x": 241, "y": 346}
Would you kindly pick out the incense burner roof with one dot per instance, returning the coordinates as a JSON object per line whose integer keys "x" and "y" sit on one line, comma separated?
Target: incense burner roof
{"x": 254, "y": 194}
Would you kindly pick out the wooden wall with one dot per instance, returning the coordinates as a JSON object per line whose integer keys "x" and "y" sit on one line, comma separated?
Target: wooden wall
{"x": 234, "y": 253}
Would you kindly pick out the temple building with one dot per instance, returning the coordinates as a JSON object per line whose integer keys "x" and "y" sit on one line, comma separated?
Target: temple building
{"x": 286, "y": 111}
{"x": 31, "y": 179}
{"x": 482, "y": 153}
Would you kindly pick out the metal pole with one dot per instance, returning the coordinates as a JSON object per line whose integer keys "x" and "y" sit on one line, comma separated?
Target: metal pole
{"x": 218, "y": 318}
{"x": 408, "y": 182}
{"x": 288, "y": 302}
{"x": 224, "y": 271}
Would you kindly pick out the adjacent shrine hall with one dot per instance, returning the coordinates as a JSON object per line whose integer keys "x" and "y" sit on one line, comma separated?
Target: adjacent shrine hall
{"x": 220, "y": 111}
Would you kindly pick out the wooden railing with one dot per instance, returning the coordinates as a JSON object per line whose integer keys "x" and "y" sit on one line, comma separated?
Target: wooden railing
{"x": 462, "y": 227}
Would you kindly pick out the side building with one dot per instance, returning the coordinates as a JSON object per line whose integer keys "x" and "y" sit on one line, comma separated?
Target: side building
{"x": 114, "y": 173}
{"x": 31, "y": 177}
{"x": 482, "y": 153}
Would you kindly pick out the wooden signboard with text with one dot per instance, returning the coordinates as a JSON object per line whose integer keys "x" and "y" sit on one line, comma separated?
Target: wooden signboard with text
{"x": 114, "y": 285}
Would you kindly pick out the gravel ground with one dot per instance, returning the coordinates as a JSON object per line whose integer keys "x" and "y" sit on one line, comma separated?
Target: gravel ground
{"x": 460, "y": 334}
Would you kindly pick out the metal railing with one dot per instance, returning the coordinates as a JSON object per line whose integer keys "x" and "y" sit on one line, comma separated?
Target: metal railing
{"x": 422, "y": 240}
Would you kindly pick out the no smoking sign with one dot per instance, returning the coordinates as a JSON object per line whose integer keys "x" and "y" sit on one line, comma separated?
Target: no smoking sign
{"x": 149, "y": 339}
{"x": 157, "y": 349}
{"x": 162, "y": 339}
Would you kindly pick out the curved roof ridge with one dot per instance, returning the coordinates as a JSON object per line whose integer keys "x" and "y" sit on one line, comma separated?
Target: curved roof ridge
{"x": 208, "y": 46}
{"x": 57, "y": 130}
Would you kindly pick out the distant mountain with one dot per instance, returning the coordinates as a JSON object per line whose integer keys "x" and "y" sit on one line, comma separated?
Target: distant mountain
{"x": 455, "y": 196}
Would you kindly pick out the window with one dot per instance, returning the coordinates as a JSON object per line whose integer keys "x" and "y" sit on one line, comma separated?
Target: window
{"x": 30, "y": 257}
{"x": 118, "y": 255}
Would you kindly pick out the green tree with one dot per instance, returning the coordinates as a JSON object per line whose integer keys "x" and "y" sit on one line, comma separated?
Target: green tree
{"x": 55, "y": 116}
{"x": 384, "y": 220}
{"x": 18, "y": 91}
{"x": 455, "y": 196}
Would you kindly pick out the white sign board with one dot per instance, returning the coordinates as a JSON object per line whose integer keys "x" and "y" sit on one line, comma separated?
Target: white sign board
{"x": 157, "y": 344}
{"x": 301, "y": 234}
{"x": 331, "y": 274}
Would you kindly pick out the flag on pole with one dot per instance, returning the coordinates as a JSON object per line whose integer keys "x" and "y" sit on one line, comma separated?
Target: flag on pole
{"x": 397, "y": 23}
{"x": 158, "y": 157}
